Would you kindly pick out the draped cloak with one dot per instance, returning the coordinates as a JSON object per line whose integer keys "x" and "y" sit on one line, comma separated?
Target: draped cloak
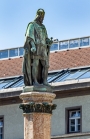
{"x": 38, "y": 34}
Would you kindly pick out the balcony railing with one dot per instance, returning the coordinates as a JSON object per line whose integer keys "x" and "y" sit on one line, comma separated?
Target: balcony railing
{"x": 9, "y": 53}
{"x": 71, "y": 44}
{"x": 56, "y": 46}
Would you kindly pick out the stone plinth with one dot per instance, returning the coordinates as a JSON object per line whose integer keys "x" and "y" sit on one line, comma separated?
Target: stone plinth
{"x": 37, "y": 126}
{"x": 37, "y": 110}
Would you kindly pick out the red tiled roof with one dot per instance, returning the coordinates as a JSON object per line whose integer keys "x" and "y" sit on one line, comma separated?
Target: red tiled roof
{"x": 70, "y": 59}
{"x": 58, "y": 60}
{"x": 10, "y": 67}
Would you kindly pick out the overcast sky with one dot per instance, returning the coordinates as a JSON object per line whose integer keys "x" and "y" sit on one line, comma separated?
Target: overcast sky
{"x": 64, "y": 19}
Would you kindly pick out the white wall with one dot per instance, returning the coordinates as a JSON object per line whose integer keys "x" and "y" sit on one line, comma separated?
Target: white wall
{"x": 13, "y": 121}
{"x": 13, "y": 117}
{"x": 58, "y": 117}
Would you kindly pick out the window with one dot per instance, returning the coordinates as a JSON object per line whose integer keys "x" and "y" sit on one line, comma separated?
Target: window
{"x": 13, "y": 52}
{"x": 75, "y": 74}
{"x": 53, "y": 76}
{"x": 86, "y": 75}
{"x": 18, "y": 83}
{"x": 1, "y": 127}
{"x": 73, "y": 43}
{"x": 73, "y": 119}
{"x": 61, "y": 78}
{"x": 84, "y": 41}
{"x": 63, "y": 45}
{"x": 11, "y": 82}
{"x": 54, "y": 47}
{"x": 4, "y": 54}
{"x": 5, "y": 83}
{"x": 21, "y": 51}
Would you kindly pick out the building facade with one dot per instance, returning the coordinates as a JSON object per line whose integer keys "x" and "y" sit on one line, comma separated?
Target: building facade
{"x": 69, "y": 74}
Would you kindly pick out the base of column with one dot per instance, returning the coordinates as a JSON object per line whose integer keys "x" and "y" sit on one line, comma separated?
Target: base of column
{"x": 37, "y": 108}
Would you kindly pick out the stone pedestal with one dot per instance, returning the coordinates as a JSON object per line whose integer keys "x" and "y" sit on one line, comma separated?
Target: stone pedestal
{"x": 37, "y": 110}
{"x": 37, "y": 126}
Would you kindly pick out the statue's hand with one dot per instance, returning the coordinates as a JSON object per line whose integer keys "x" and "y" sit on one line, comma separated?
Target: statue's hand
{"x": 33, "y": 49}
{"x": 49, "y": 41}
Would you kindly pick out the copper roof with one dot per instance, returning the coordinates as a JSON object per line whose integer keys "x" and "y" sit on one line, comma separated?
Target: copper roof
{"x": 58, "y": 60}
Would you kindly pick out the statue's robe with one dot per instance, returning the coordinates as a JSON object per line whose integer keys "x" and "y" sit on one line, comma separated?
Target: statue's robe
{"x": 38, "y": 34}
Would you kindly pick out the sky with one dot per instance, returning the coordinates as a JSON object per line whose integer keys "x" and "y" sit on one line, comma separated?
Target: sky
{"x": 64, "y": 19}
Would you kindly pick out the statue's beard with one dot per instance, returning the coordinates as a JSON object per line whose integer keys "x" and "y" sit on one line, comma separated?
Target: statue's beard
{"x": 39, "y": 20}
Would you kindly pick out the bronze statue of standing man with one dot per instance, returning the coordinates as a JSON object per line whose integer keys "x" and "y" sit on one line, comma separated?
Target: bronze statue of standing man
{"x": 36, "y": 52}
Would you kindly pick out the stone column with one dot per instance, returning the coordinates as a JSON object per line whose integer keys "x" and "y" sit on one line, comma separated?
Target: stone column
{"x": 37, "y": 110}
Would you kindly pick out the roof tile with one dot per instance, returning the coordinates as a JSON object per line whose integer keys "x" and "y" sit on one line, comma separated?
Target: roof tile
{"x": 58, "y": 60}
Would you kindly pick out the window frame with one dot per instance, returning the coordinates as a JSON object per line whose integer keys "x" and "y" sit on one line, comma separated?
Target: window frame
{"x": 67, "y": 110}
{"x": 2, "y": 116}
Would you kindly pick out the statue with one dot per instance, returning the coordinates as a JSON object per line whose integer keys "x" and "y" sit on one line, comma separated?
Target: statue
{"x": 36, "y": 52}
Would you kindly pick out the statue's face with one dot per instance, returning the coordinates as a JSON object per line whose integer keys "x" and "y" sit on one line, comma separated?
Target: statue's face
{"x": 41, "y": 18}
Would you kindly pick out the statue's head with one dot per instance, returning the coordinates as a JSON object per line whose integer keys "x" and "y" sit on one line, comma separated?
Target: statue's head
{"x": 40, "y": 15}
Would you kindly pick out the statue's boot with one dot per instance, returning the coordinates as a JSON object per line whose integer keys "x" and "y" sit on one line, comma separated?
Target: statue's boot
{"x": 36, "y": 83}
